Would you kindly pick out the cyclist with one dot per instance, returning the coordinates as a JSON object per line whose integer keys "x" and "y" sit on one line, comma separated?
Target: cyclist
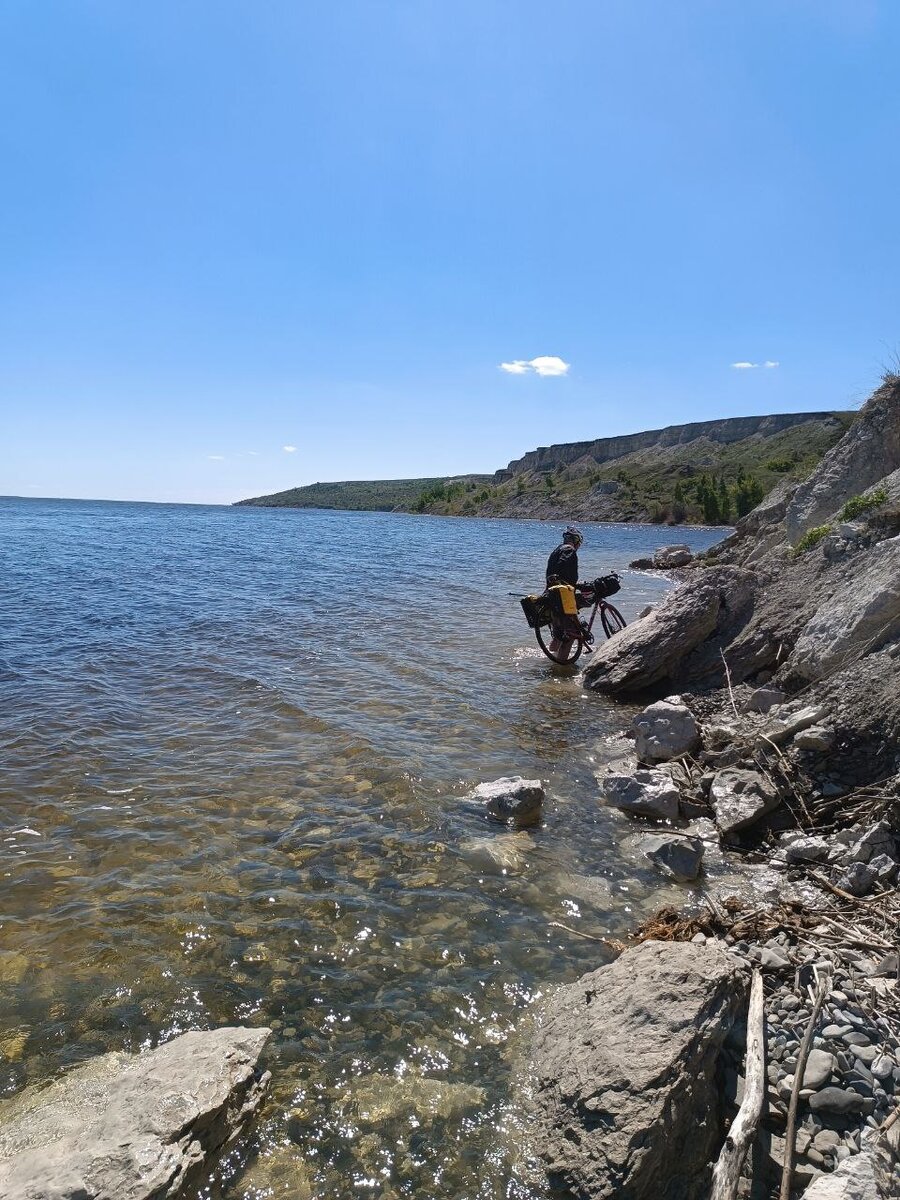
{"x": 562, "y": 567}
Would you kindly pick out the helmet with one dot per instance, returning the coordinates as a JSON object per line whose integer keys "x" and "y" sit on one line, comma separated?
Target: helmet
{"x": 573, "y": 535}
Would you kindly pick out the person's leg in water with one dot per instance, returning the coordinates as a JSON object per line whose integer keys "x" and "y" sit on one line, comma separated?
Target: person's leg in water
{"x": 560, "y": 645}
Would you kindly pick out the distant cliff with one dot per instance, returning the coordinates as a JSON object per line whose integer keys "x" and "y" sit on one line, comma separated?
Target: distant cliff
{"x": 707, "y": 471}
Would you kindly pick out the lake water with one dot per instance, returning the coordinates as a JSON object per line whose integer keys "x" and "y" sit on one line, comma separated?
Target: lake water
{"x": 233, "y": 746}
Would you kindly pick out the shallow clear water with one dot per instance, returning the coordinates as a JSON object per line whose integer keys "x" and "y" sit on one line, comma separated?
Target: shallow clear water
{"x": 233, "y": 746}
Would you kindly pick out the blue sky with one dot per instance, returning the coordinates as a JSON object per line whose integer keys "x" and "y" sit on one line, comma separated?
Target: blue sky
{"x": 229, "y": 228}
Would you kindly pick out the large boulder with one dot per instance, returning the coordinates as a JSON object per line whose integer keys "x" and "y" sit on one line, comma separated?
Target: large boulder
{"x": 626, "y": 1099}
{"x": 679, "y": 640}
{"x": 132, "y": 1127}
{"x": 865, "y": 454}
{"x": 665, "y": 730}
{"x": 854, "y": 1179}
{"x": 860, "y": 617}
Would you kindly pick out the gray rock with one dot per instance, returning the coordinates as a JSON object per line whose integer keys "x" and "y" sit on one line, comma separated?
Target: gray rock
{"x": 680, "y": 857}
{"x": 819, "y": 1068}
{"x": 502, "y": 853}
{"x": 132, "y": 1127}
{"x": 511, "y": 800}
{"x": 665, "y": 730}
{"x": 836, "y": 1101}
{"x": 764, "y": 699}
{"x": 875, "y": 841}
{"x": 827, "y": 1141}
{"x": 667, "y": 643}
{"x": 668, "y": 557}
{"x": 626, "y": 1098}
{"x": 885, "y": 868}
{"x": 854, "y": 1179}
{"x": 806, "y": 849}
{"x": 782, "y": 729}
{"x": 882, "y": 1067}
{"x": 857, "y": 879}
{"x": 740, "y": 797}
{"x": 645, "y": 793}
{"x": 855, "y": 619}
{"x": 817, "y": 737}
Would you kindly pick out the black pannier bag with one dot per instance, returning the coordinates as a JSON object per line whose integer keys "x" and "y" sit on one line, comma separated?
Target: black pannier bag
{"x": 537, "y": 610}
{"x": 606, "y": 585}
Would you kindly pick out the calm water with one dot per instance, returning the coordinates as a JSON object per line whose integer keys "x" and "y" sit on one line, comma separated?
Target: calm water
{"x": 233, "y": 746}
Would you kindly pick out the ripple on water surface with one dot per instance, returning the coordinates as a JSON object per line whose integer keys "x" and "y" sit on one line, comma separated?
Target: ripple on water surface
{"x": 233, "y": 747}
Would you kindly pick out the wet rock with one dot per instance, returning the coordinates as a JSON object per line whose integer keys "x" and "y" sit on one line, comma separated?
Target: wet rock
{"x": 503, "y": 853}
{"x": 627, "y": 1102}
{"x": 680, "y": 857}
{"x": 764, "y": 699}
{"x": 378, "y": 1098}
{"x": 512, "y": 800}
{"x": 641, "y": 564}
{"x": 740, "y": 797}
{"x": 645, "y": 793}
{"x": 665, "y": 730}
{"x": 132, "y": 1127}
{"x": 666, "y": 558}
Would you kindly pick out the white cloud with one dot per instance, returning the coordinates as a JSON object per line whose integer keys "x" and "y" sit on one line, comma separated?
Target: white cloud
{"x": 544, "y": 364}
{"x": 769, "y": 363}
{"x": 216, "y": 457}
{"x": 289, "y": 449}
{"x": 253, "y": 453}
{"x": 744, "y": 366}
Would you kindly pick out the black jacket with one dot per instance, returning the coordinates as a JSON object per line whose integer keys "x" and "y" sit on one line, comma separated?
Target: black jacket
{"x": 562, "y": 565}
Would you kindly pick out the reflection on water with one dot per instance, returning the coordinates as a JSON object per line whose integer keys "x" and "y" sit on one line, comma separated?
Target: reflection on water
{"x": 233, "y": 744}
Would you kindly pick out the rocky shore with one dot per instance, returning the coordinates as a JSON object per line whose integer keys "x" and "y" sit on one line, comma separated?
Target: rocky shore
{"x": 737, "y": 1046}
{"x": 771, "y": 736}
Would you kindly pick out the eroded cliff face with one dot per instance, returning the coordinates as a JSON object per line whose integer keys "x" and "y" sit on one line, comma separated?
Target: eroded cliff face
{"x": 604, "y": 450}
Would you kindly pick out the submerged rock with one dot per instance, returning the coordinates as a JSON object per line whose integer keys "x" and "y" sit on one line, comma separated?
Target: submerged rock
{"x": 680, "y": 857}
{"x": 132, "y": 1127}
{"x": 512, "y": 800}
{"x": 626, "y": 1098}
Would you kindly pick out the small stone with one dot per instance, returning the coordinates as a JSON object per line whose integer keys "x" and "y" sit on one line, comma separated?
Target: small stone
{"x": 664, "y": 731}
{"x": 819, "y": 1068}
{"x": 680, "y": 857}
{"x": 827, "y": 1141}
{"x": 644, "y": 793}
{"x": 866, "y": 1054}
{"x": 882, "y": 1067}
{"x": 832, "y": 1031}
{"x": 764, "y": 699}
{"x": 817, "y": 737}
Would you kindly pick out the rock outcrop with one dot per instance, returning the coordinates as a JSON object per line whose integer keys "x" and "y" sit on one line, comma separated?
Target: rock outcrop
{"x": 626, "y": 1097}
{"x": 132, "y": 1127}
{"x": 867, "y": 453}
{"x": 679, "y": 641}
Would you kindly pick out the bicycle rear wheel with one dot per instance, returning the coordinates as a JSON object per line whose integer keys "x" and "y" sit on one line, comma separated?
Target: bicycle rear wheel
{"x": 612, "y": 619}
{"x": 572, "y": 648}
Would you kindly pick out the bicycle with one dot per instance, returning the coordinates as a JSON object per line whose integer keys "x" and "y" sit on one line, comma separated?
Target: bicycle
{"x": 573, "y": 634}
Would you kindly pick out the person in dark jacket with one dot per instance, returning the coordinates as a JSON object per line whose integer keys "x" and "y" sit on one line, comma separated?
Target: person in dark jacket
{"x": 562, "y": 567}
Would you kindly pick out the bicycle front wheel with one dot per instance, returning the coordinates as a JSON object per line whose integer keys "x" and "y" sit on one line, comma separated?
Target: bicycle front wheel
{"x": 566, "y": 654}
{"x": 612, "y": 619}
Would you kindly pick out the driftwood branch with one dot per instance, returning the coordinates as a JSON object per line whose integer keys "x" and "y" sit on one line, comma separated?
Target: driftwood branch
{"x": 727, "y": 1171}
{"x": 790, "y": 1135}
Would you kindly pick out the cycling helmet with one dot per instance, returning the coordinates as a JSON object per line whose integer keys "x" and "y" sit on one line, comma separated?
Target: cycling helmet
{"x": 573, "y": 535}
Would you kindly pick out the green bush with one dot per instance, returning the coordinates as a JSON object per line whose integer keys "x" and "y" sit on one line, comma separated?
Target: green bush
{"x": 860, "y": 504}
{"x": 811, "y": 538}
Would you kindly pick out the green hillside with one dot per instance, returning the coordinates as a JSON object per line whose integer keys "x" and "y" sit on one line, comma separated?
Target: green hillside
{"x": 377, "y": 495}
